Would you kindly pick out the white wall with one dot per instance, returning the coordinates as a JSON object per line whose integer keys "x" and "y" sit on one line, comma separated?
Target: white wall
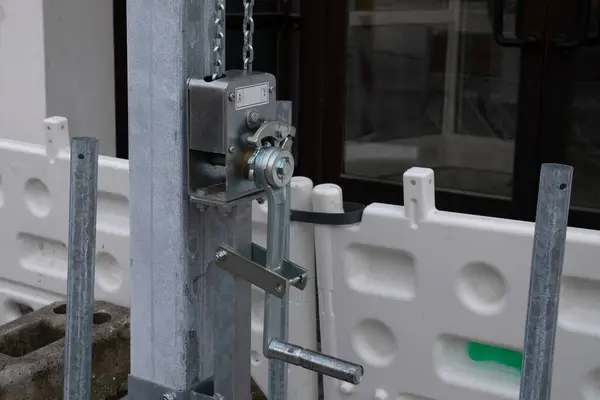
{"x": 56, "y": 58}
{"x": 22, "y": 72}
{"x": 80, "y": 67}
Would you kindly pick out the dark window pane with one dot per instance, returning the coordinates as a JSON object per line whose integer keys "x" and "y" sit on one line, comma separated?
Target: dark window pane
{"x": 428, "y": 86}
{"x": 265, "y": 50}
{"x": 583, "y": 151}
{"x": 237, "y": 6}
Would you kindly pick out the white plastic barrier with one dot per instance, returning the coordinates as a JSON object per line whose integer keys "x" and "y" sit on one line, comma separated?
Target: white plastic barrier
{"x": 408, "y": 290}
{"x": 34, "y": 199}
{"x": 34, "y": 182}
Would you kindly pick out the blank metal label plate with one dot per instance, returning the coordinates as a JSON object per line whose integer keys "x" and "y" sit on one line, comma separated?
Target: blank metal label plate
{"x": 251, "y": 96}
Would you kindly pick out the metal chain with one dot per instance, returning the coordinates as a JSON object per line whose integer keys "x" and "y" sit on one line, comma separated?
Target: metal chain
{"x": 248, "y": 50}
{"x": 218, "y": 49}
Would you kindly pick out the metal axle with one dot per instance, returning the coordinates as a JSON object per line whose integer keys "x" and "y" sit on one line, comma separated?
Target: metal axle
{"x": 315, "y": 361}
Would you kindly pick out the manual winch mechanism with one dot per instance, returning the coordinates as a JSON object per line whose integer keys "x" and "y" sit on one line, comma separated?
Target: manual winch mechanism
{"x": 240, "y": 151}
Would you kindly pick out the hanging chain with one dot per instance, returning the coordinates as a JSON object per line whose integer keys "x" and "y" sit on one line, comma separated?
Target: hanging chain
{"x": 218, "y": 48}
{"x": 248, "y": 50}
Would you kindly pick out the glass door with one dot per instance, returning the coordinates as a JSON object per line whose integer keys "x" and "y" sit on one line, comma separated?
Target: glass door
{"x": 426, "y": 83}
{"x": 570, "y": 123}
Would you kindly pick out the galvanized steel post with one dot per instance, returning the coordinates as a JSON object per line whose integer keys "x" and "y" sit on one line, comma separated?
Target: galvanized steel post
{"x": 544, "y": 287}
{"x": 80, "y": 282}
{"x": 176, "y": 296}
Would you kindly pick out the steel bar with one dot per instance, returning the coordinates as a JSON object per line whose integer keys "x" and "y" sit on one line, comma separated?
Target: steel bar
{"x": 277, "y": 309}
{"x": 544, "y": 287}
{"x": 80, "y": 282}
{"x": 314, "y": 361}
{"x": 274, "y": 283}
{"x": 173, "y": 242}
{"x": 232, "y": 305}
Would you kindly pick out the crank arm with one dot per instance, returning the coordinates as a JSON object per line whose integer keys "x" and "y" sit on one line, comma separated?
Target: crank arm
{"x": 278, "y": 225}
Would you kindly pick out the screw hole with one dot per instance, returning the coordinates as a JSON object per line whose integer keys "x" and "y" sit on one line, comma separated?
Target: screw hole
{"x": 80, "y": 156}
{"x": 562, "y": 186}
{"x": 413, "y": 182}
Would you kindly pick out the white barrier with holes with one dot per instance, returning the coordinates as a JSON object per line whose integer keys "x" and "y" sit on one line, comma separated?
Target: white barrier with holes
{"x": 34, "y": 217}
{"x": 404, "y": 291}
{"x": 34, "y": 200}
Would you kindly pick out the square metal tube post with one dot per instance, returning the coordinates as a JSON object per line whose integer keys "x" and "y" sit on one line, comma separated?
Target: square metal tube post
{"x": 549, "y": 240}
{"x": 83, "y": 202}
{"x": 173, "y": 241}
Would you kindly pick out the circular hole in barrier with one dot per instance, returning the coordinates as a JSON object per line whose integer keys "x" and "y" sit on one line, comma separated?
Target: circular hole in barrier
{"x": 100, "y": 318}
{"x": 62, "y": 309}
{"x": 80, "y": 156}
{"x": 562, "y": 186}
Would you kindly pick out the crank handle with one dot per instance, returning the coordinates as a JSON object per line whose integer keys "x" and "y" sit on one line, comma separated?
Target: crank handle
{"x": 271, "y": 168}
{"x": 315, "y": 361}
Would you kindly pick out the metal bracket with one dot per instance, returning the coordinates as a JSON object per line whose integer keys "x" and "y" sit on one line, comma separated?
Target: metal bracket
{"x": 273, "y": 282}
{"x": 276, "y": 130}
{"x": 141, "y": 389}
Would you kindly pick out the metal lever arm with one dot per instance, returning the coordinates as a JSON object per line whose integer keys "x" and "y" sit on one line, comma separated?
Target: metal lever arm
{"x": 272, "y": 168}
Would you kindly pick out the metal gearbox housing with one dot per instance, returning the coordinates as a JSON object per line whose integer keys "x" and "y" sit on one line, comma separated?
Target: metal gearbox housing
{"x": 222, "y": 115}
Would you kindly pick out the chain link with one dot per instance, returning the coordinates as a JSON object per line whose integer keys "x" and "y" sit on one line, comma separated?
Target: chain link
{"x": 218, "y": 49}
{"x": 248, "y": 50}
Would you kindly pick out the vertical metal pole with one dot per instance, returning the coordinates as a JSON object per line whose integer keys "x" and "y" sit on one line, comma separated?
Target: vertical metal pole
{"x": 173, "y": 242}
{"x": 82, "y": 256}
{"x": 276, "y": 309}
{"x": 232, "y": 304}
{"x": 544, "y": 286}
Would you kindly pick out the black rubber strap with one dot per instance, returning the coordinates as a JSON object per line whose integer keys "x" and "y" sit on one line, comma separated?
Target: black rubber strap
{"x": 352, "y": 214}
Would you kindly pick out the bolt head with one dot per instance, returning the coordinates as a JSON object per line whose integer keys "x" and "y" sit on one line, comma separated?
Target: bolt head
{"x": 281, "y": 167}
{"x": 284, "y": 168}
{"x": 231, "y": 97}
{"x": 231, "y": 149}
{"x": 272, "y": 89}
{"x": 167, "y": 396}
{"x": 220, "y": 255}
{"x": 253, "y": 119}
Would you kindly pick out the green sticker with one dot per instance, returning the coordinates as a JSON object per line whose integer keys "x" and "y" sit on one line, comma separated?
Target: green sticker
{"x": 480, "y": 352}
